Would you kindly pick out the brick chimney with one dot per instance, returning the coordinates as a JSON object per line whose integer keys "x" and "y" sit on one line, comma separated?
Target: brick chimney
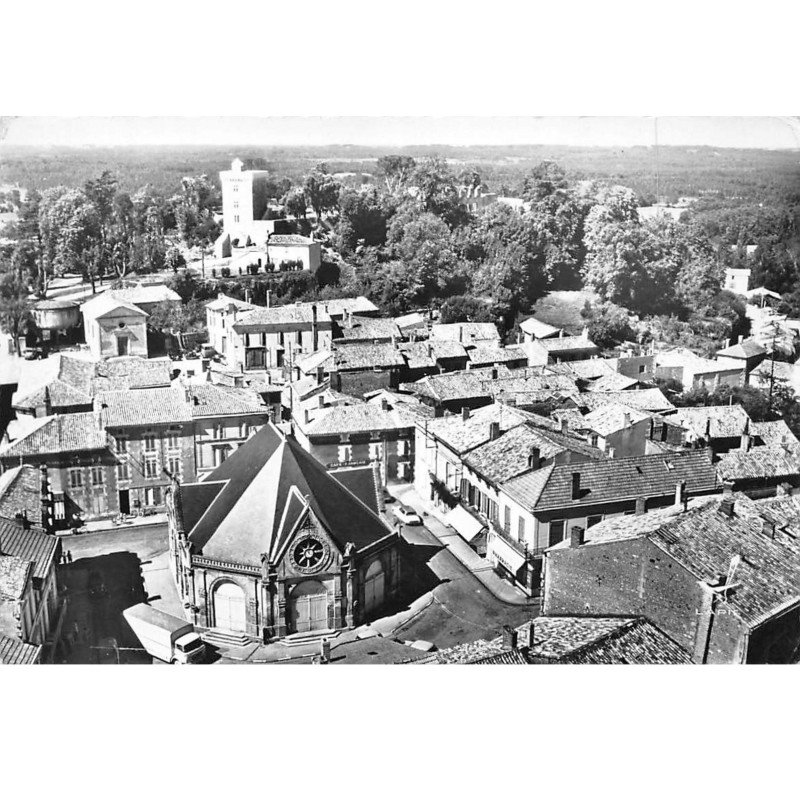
{"x": 509, "y": 638}
{"x": 575, "y": 537}
{"x": 641, "y": 503}
{"x": 564, "y": 425}
{"x": 680, "y": 494}
{"x": 494, "y": 430}
{"x": 744, "y": 442}
{"x": 464, "y": 413}
{"x": 576, "y": 485}
{"x": 384, "y": 404}
{"x": 768, "y": 528}
{"x": 531, "y": 635}
{"x": 494, "y": 372}
{"x": 534, "y": 458}
{"x": 626, "y": 419}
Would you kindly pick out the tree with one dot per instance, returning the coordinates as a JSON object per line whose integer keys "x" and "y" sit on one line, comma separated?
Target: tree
{"x": 463, "y": 308}
{"x": 363, "y": 217}
{"x": 296, "y": 203}
{"x": 608, "y": 324}
{"x": 396, "y": 171}
{"x": 15, "y": 308}
{"x": 322, "y": 190}
{"x": 437, "y": 193}
{"x": 545, "y": 179}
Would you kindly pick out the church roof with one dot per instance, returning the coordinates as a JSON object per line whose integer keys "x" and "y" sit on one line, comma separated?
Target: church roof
{"x": 255, "y": 500}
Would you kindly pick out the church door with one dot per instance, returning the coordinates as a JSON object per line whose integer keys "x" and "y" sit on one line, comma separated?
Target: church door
{"x": 309, "y": 604}
{"x": 229, "y": 608}
{"x": 374, "y": 587}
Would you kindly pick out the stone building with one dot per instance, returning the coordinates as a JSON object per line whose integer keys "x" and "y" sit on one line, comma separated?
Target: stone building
{"x": 271, "y": 544}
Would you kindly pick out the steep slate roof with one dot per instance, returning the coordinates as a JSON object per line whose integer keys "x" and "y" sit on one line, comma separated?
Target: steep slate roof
{"x": 366, "y": 356}
{"x": 774, "y": 433}
{"x": 611, "y": 418}
{"x": 704, "y": 540}
{"x": 501, "y": 459}
{"x": 62, "y": 433}
{"x": 614, "y": 479}
{"x": 646, "y": 399}
{"x": 20, "y": 490}
{"x": 263, "y": 488}
{"x": 760, "y": 462}
{"x": 727, "y": 422}
{"x": 29, "y": 544}
{"x": 209, "y": 400}
{"x": 363, "y": 482}
{"x": 144, "y": 407}
{"x": 357, "y": 418}
{"x": 15, "y": 651}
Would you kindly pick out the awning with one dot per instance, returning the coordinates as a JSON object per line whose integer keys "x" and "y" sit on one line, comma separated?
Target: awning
{"x": 468, "y": 526}
{"x": 506, "y": 554}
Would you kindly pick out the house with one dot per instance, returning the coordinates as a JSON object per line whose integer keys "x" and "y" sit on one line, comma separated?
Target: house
{"x": 271, "y": 544}
{"x": 362, "y": 368}
{"x": 291, "y": 251}
{"x": 746, "y": 352}
{"x": 362, "y": 433}
{"x": 694, "y": 372}
{"x": 775, "y": 373}
{"x": 355, "y": 328}
{"x": 489, "y": 355}
{"x": 619, "y": 430}
{"x": 569, "y": 640}
{"x": 651, "y": 400}
{"x": 432, "y": 357}
{"x": 24, "y": 495}
{"x": 772, "y": 433}
{"x": 761, "y": 471}
{"x": 114, "y": 327}
{"x": 453, "y": 391}
{"x": 30, "y": 611}
{"x": 560, "y": 349}
{"x": 245, "y": 201}
{"x": 720, "y": 427}
{"x": 718, "y": 576}
{"x": 737, "y": 280}
{"x": 467, "y": 333}
{"x": 221, "y": 314}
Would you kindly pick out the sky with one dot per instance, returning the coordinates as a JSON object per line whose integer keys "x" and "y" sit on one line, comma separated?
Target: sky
{"x": 757, "y": 132}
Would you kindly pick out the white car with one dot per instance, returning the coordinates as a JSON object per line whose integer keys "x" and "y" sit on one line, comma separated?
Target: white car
{"x": 406, "y": 515}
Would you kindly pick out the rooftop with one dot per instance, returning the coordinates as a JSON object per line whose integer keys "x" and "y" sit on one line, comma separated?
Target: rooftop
{"x": 718, "y": 422}
{"x": 14, "y": 574}
{"x": 466, "y": 332}
{"x": 224, "y": 301}
{"x": 562, "y": 344}
{"x": 144, "y": 407}
{"x": 613, "y": 417}
{"x": 358, "y": 328}
{"x": 424, "y": 355}
{"x": 538, "y": 329}
{"x": 15, "y": 651}
{"x": 748, "y": 348}
{"x": 615, "y": 382}
{"x": 462, "y": 435}
{"x": 772, "y": 461}
{"x": 211, "y": 400}
{"x": 367, "y": 356}
{"x": 486, "y": 355}
{"x": 20, "y": 491}
{"x": 62, "y": 433}
{"x": 644, "y": 399}
{"x": 358, "y": 418}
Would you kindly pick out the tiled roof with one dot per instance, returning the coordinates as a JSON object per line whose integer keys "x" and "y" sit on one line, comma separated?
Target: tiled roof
{"x": 503, "y": 458}
{"x": 223, "y": 301}
{"x": 645, "y": 399}
{"x": 725, "y": 422}
{"x": 356, "y": 328}
{"x": 780, "y": 370}
{"x": 749, "y": 348}
{"x": 422, "y": 355}
{"x": 107, "y": 302}
{"x": 409, "y": 404}
{"x": 410, "y": 321}
{"x": 704, "y": 539}
{"x": 132, "y": 372}
{"x": 258, "y": 318}
{"x": 466, "y": 332}
{"x": 144, "y": 407}
{"x": 682, "y": 357}
{"x": 358, "y": 418}
{"x": 292, "y": 239}
{"x": 209, "y": 400}
{"x": 15, "y": 651}
{"x": 539, "y": 329}
{"x": 30, "y": 544}
{"x": 20, "y": 491}
{"x": 59, "y": 394}
{"x": 366, "y": 356}
{"x": 774, "y": 433}
{"x": 352, "y": 305}
{"x": 62, "y": 433}
{"x": 614, "y": 479}
{"x": 585, "y": 368}
{"x": 460, "y": 435}
{"x": 612, "y": 383}
{"x": 486, "y": 355}
{"x": 14, "y": 574}
{"x": 612, "y": 417}
{"x": 309, "y": 363}
{"x": 147, "y": 293}
{"x": 563, "y": 344}
{"x": 760, "y": 462}
{"x": 452, "y": 386}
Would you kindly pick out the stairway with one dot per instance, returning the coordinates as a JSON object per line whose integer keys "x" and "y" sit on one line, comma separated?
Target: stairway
{"x": 224, "y": 638}
{"x": 309, "y": 638}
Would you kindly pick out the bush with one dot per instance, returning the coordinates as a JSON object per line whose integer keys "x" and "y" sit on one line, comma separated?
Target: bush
{"x": 225, "y": 272}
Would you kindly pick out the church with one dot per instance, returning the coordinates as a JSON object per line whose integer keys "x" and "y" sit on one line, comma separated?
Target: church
{"x": 271, "y": 544}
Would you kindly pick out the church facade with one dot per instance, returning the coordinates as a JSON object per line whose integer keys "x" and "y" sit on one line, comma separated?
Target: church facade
{"x": 270, "y": 544}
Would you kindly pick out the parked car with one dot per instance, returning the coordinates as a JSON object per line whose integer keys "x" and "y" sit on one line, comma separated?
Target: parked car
{"x": 406, "y": 515}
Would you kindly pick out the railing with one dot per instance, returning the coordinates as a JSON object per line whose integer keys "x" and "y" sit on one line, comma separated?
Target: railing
{"x": 520, "y": 547}
{"x": 230, "y": 566}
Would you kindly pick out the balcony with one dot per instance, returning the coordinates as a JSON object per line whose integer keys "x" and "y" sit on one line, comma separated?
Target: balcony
{"x": 520, "y": 547}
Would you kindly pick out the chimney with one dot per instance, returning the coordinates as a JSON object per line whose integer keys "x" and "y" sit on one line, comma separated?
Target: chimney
{"x": 768, "y": 528}
{"x": 680, "y": 493}
{"x": 320, "y": 375}
{"x": 384, "y": 404}
{"x": 494, "y": 430}
{"x": 726, "y": 505}
{"x": 307, "y": 416}
{"x": 531, "y": 635}
{"x": 575, "y": 537}
{"x": 430, "y": 350}
{"x": 464, "y": 413}
{"x": 576, "y": 485}
{"x": 460, "y": 333}
{"x": 314, "y": 333}
{"x": 741, "y": 338}
{"x": 494, "y": 372}
{"x": 611, "y": 452}
{"x": 744, "y": 443}
{"x": 509, "y": 638}
{"x": 727, "y": 489}
{"x": 564, "y": 425}
{"x": 296, "y": 373}
{"x": 641, "y": 503}
{"x": 534, "y": 458}
{"x": 784, "y": 489}
{"x": 626, "y": 420}
{"x": 321, "y": 401}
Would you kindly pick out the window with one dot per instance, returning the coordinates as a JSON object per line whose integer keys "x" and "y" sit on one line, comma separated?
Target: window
{"x": 97, "y": 476}
{"x": 152, "y": 496}
{"x": 173, "y": 440}
{"x": 122, "y": 471}
{"x": 641, "y": 369}
{"x": 219, "y": 454}
{"x": 557, "y": 527}
{"x": 149, "y": 443}
{"x": 76, "y": 478}
{"x": 174, "y": 466}
{"x": 244, "y": 430}
{"x": 345, "y": 453}
{"x": 593, "y": 520}
{"x": 375, "y": 451}
{"x": 121, "y": 445}
{"x": 150, "y": 468}
{"x": 236, "y": 218}
{"x": 255, "y": 358}
{"x": 521, "y": 529}
{"x": 507, "y": 519}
